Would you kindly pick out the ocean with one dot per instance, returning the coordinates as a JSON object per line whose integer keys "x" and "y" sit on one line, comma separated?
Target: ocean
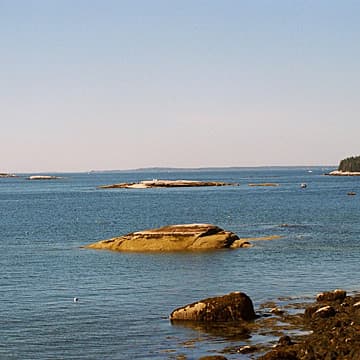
{"x": 125, "y": 298}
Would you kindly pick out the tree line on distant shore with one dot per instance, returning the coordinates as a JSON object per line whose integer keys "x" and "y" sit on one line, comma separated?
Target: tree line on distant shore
{"x": 350, "y": 164}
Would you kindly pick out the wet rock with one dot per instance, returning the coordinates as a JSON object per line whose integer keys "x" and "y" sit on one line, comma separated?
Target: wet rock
{"x": 247, "y": 349}
{"x": 277, "y": 311}
{"x": 213, "y": 357}
{"x": 285, "y": 340}
{"x": 325, "y": 312}
{"x": 331, "y": 295}
{"x": 280, "y": 355}
{"x": 235, "y": 306}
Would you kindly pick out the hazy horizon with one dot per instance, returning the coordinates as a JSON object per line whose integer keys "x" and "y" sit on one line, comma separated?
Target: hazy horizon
{"x": 185, "y": 84}
{"x": 179, "y": 169}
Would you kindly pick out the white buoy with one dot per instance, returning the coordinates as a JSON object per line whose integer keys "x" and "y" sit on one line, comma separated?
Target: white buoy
{"x": 76, "y": 299}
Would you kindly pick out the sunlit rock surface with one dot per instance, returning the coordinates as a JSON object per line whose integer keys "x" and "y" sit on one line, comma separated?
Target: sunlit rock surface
{"x": 174, "y": 238}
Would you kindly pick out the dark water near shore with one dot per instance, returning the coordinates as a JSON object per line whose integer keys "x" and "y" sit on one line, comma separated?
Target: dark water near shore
{"x": 125, "y": 299}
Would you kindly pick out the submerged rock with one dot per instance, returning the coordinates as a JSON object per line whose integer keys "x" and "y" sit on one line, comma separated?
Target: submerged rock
{"x": 235, "y": 306}
{"x": 173, "y": 238}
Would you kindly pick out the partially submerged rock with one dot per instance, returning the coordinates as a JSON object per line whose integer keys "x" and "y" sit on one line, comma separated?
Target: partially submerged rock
{"x": 235, "y": 306}
{"x": 155, "y": 183}
{"x": 173, "y": 238}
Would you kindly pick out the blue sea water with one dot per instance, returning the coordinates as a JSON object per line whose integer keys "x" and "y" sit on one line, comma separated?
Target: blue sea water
{"x": 125, "y": 298}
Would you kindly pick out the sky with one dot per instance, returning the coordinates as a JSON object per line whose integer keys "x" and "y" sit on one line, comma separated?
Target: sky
{"x": 123, "y": 84}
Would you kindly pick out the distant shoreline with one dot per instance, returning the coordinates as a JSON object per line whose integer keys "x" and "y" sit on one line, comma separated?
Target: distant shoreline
{"x": 215, "y": 168}
{"x": 179, "y": 169}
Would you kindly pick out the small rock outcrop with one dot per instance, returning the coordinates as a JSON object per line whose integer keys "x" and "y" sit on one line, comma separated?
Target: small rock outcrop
{"x": 173, "y": 238}
{"x": 235, "y": 306}
{"x": 337, "y": 294}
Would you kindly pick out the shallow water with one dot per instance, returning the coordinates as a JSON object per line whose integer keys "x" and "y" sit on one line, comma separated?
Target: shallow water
{"x": 125, "y": 298}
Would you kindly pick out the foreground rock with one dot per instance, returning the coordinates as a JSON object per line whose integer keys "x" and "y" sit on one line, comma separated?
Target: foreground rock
{"x": 235, "y": 306}
{"x": 145, "y": 184}
{"x": 174, "y": 238}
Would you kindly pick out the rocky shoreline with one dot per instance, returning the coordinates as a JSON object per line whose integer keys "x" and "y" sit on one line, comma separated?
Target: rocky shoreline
{"x": 325, "y": 329}
{"x": 333, "y": 325}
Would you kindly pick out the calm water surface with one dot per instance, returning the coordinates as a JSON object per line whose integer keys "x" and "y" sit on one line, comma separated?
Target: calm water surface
{"x": 125, "y": 299}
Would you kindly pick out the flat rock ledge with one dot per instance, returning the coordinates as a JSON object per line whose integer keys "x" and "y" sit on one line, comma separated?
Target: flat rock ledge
{"x": 155, "y": 183}
{"x": 174, "y": 238}
{"x": 236, "y": 306}
{"x": 343, "y": 173}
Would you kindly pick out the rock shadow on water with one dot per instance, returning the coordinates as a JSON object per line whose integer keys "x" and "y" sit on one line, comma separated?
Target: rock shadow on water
{"x": 229, "y": 331}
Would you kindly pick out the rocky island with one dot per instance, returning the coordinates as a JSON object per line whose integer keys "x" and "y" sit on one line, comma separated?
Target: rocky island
{"x": 173, "y": 238}
{"x": 348, "y": 167}
{"x": 5, "y": 175}
{"x": 180, "y": 237}
{"x": 155, "y": 183}
{"x": 44, "y": 177}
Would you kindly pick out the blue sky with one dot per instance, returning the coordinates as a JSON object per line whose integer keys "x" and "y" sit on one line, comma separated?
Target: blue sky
{"x": 126, "y": 84}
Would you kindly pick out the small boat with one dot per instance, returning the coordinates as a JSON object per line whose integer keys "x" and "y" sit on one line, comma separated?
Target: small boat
{"x": 351, "y": 193}
{"x": 303, "y": 185}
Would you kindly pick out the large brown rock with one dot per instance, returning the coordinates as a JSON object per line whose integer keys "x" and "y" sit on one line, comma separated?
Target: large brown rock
{"x": 173, "y": 238}
{"x": 235, "y": 306}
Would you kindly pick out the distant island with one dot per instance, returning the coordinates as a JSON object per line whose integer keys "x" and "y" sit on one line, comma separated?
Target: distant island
{"x": 5, "y": 175}
{"x": 348, "y": 167}
{"x": 44, "y": 177}
{"x": 155, "y": 183}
